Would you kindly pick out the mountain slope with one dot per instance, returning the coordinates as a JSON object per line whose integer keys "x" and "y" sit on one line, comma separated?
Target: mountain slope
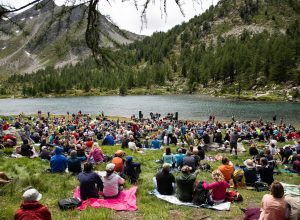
{"x": 47, "y": 34}
{"x": 239, "y": 47}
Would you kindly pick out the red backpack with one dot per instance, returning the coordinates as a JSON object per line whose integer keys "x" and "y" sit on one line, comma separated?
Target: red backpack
{"x": 233, "y": 196}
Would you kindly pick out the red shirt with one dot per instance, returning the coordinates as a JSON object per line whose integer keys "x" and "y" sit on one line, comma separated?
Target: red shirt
{"x": 89, "y": 144}
{"x": 32, "y": 210}
{"x": 218, "y": 189}
{"x": 5, "y": 126}
{"x": 8, "y": 136}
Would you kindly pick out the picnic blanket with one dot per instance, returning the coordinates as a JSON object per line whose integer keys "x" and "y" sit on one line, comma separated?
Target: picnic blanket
{"x": 225, "y": 206}
{"x": 125, "y": 202}
{"x": 290, "y": 189}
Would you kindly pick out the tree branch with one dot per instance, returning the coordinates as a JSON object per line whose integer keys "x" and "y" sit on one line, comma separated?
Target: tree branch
{"x": 4, "y": 11}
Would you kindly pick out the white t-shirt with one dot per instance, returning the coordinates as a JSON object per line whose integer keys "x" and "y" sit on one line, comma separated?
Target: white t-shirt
{"x": 132, "y": 145}
{"x": 165, "y": 140}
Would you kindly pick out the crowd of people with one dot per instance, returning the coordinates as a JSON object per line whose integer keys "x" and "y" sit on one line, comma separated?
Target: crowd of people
{"x": 71, "y": 144}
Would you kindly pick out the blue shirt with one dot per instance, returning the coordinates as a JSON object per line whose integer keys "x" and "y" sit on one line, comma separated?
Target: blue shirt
{"x": 168, "y": 158}
{"x": 88, "y": 180}
{"x": 178, "y": 159}
{"x": 183, "y": 130}
{"x": 155, "y": 144}
{"x": 109, "y": 140}
{"x": 58, "y": 162}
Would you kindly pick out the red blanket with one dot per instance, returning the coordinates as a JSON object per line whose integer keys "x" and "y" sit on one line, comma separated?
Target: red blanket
{"x": 125, "y": 202}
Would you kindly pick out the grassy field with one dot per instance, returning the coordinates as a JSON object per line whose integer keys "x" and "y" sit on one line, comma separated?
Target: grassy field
{"x": 58, "y": 186}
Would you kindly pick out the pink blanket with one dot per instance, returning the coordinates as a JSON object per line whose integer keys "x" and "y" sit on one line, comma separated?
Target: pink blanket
{"x": 125, "y": 202}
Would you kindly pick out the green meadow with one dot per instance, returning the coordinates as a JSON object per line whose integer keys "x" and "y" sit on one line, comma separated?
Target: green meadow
{"x": 57, "y": 186}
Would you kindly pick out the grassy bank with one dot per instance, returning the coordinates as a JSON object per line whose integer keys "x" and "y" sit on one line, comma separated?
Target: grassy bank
{"x": 247, "y": 95}
{"x": 58, "y": 186}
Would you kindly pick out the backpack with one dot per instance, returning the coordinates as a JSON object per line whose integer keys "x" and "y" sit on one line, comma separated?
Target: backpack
{"x": 239, "y": 178}
{"x": 200, "y": 195}
{"x": 261, "y": 186}
{"x": 205, "y": 167}
{"x": 69, "y": 203}
{"x": 233, "y": 196}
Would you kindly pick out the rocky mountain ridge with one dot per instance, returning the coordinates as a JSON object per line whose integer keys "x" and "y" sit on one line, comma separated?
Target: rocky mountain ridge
{"x": 47, "y": 34}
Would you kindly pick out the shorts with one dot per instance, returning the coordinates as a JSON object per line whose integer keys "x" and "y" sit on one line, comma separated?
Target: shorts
{"x": 233, "y": 145}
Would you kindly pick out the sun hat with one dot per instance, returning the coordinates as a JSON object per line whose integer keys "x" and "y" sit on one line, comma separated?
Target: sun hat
{"x": 31, "y": 195}
{"x": 249, "y": 163}
{"x": 110, "y": 167}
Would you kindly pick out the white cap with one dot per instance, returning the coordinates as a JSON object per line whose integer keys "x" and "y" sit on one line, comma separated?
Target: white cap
{"x": 110, "y": 167}
{"x": 31, "y": 195}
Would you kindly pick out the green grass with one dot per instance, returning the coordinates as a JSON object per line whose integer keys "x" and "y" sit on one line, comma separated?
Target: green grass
{"x": 58, "y": 186}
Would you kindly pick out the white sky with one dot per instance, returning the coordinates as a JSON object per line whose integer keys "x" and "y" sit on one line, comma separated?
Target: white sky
{"x": 125, "y": 15}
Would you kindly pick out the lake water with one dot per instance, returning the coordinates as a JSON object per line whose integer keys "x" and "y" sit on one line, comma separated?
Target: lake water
{"x": 192, "y": 107}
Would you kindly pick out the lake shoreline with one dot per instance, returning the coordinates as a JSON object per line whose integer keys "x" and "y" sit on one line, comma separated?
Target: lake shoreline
{"x": 162, "y": 91}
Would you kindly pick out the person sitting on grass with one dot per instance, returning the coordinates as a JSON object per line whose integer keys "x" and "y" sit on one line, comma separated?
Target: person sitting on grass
{"x": 273, "y": 206}
{"x": 179, "y": 158}
{"x": 189, "y": 160}
{"x": 165, "y": 180}
{"x": 132, "y": 144}
{"x": 185, "y": 184}
{"x": 132, "y": 170}
{"x": 58, "y": 162}
{"x": 96, "y": 155}
{"x": 26, "y": 149}
{"x": 108, "y": 140}
{"x": 80, "y": 152}
{"x": 74, "y": 163}
{"x": 155, "y": 144}
{"x": 31, "y": 208}
{"x": 118, "y": 161}
{"x": 197, "y": 158}
{"x": 112, "y": 182}
{"x": 226, "y": 169}
{"x": 45, "y": 154}
{"x": 168, "y": 157}
{"x": 90, "y": 182}
{"x": 250, "y": 172}
{"x": 253, "y": 150}
{"x": 218, "y": 187}
{"x": 296, "y": 165}
{"x": 265, "y": 171}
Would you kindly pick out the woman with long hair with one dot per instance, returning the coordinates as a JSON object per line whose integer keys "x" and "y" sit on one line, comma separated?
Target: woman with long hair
{"x": 218, "y": 187}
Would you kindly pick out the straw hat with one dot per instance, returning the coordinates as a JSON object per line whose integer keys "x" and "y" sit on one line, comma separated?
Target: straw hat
{"x": 249, "y": 163}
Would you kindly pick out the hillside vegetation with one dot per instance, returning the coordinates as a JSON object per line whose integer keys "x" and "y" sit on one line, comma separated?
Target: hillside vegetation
{"x": 245, "y": 48}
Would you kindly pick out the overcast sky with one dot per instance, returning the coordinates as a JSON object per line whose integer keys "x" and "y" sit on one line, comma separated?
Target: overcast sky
{"x": 126, "y": 16}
